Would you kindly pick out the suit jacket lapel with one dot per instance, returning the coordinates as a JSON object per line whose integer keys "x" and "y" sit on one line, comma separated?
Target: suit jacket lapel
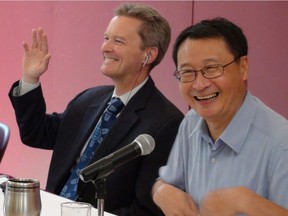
{"x": 86, "y": 127}
{"x": 125, "y": 122}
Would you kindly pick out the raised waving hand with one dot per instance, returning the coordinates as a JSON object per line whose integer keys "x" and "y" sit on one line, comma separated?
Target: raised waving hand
{"x": 36, "y": 58}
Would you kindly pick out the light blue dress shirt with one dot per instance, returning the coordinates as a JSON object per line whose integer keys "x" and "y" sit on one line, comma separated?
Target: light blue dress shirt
{"x": 252, "y": 152}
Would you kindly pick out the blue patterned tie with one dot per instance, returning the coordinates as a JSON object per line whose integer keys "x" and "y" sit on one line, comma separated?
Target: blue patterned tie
{"x": 109, "y": 116}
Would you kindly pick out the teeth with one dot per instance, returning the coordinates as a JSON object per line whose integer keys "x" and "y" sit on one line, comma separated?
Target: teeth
{"x": 110, "y": 59}
{"x": 207, "y": 97}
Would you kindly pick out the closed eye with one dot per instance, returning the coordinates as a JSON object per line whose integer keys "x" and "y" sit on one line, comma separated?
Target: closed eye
{"x": 119, "y": 41}
{"x": 106, "y": 39}
{"x": 187, "y": 71}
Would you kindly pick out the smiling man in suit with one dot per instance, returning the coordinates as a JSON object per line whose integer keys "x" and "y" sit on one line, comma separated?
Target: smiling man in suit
{"x": 135, "y": 41}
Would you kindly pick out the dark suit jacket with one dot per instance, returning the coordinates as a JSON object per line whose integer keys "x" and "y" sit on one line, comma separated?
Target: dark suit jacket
{"x": 129, "y": 186}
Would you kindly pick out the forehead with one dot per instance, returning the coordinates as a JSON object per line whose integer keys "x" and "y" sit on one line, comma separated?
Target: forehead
{"x": 123, "y": 26}
{"x": 201, "y": 50}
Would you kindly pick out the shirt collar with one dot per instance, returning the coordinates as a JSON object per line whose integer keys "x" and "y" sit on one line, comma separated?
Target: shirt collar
{"x": 237, "y": 130}
{"x": 127, "y": 96}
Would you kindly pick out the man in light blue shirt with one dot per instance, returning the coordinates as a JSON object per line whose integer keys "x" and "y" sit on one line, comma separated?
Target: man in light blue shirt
{"x": 230, "y": 156}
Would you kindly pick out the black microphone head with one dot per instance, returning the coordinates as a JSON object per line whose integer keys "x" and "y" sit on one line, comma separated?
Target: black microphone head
{"x": 146, "y": 143}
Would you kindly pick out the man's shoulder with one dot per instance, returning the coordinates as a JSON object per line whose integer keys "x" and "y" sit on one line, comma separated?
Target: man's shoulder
{"x": 150, "y": 97}
{"x": 99, "y": 89}
{"x": 160, "y": 102}
{"x": 95, "y": 91}
{"x": 270, "y": 124}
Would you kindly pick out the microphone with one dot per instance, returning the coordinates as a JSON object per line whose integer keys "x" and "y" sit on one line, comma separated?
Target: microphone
{"x": 144, "y": 144}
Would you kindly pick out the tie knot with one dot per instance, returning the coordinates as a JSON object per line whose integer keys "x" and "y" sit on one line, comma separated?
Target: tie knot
{"x": 115, "y": 105}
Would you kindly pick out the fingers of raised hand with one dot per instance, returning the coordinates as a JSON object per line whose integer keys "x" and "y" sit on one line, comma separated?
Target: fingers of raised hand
{"x": 39, "y": 40}
{"x": 34, "y": 38}
{"x": 44, "y": 43}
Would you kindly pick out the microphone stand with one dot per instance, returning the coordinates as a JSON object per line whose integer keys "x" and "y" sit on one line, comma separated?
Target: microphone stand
{"x": 100, "y": 194}
{"x": 99, "y": 182}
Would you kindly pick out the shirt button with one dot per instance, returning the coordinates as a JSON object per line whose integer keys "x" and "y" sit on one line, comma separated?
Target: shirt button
{"x": 213, "y": 160}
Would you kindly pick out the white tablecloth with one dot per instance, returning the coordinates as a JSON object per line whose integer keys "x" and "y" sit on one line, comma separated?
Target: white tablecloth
{"x": 50, "y": 205}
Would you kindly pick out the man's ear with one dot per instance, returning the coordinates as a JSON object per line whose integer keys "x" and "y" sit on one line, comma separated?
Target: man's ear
{"x": 244, "y": 66}
{"x": 152, "y": 53}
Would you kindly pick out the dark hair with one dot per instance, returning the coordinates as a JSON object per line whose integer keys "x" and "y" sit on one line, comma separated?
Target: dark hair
{"x": 215, "y": 28}
{"x": 155, "y": 30}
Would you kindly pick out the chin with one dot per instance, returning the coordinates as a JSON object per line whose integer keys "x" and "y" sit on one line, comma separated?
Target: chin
{"x": 106, "y": 72}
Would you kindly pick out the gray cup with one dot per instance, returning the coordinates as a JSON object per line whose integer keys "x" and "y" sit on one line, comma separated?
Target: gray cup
{"x": 22, "y": 197}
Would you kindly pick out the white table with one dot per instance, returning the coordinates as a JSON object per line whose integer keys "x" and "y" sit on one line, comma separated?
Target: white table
{"x": 50, "y": 204}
